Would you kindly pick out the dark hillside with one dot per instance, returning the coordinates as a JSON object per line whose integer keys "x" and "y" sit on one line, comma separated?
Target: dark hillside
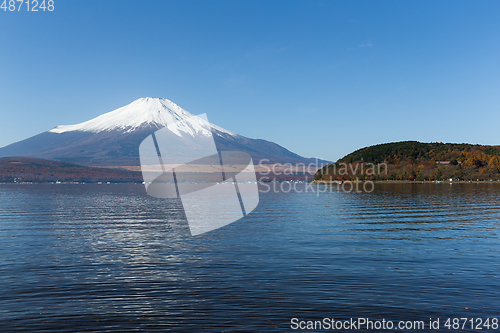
{"x": 24, "y": 169}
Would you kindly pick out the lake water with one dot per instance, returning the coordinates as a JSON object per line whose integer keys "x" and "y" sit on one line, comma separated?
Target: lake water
{"x": 110, "y": 258}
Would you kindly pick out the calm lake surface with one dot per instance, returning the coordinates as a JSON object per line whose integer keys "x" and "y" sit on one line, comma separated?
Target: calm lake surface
{"x": 110, "y": 258}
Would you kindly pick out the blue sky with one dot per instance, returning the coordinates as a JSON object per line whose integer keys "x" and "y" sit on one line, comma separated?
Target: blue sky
{"x": 321, "y": 78}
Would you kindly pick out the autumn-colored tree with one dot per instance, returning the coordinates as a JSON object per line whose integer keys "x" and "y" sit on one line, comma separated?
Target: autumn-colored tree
{"x": 473, "y": 162}
{"x": 494, "y": 163}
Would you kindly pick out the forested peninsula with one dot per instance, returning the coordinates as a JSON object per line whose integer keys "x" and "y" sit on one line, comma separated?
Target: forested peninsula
{"x": 416, "y": 161}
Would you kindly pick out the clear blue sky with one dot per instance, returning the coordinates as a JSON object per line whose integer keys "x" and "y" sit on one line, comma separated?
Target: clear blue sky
{"x": 321, "y": 78}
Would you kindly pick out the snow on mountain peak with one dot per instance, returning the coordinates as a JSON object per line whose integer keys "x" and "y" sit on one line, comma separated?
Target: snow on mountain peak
{"x": 158, "y": 112}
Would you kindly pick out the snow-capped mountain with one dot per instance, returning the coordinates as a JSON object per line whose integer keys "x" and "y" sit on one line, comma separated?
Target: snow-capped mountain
{"x": 155, "y": 112}
{"x": 113, "y": 138}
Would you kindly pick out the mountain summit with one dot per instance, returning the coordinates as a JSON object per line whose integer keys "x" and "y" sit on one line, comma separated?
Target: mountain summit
{"x": 147, "y": 111}
{"x": 113, "y": 138}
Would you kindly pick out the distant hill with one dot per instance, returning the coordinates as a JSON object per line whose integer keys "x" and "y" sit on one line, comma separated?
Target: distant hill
{"x": 24, "y": 169}
{"x": 35, "y": 170}
{"x": 413, "y": 160}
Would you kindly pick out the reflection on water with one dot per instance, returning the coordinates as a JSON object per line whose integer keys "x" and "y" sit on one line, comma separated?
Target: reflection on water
{"x": 110, "y": 258}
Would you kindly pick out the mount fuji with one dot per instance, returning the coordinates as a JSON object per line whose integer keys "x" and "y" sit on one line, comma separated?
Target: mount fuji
{"x": 113, "y": 138}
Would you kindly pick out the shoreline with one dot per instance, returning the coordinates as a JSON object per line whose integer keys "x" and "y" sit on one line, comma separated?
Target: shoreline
{"x": 328, "y": 182}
